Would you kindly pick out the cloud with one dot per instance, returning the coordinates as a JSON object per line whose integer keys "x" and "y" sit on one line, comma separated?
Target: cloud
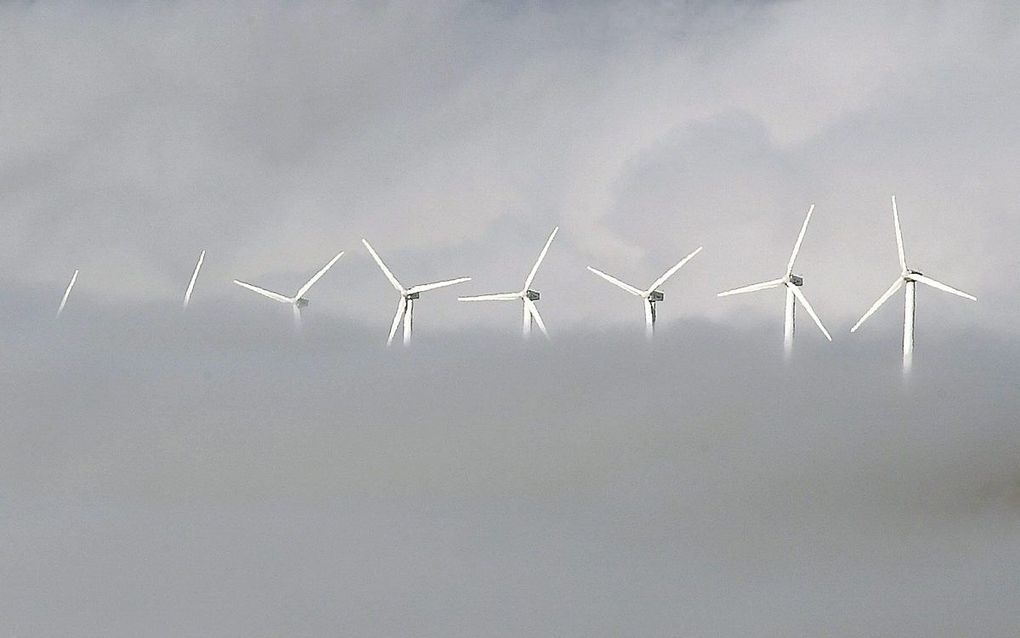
{"x": 275, "y": 134}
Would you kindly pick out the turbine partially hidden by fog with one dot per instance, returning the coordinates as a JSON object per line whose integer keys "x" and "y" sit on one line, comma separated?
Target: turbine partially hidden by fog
{"x": 67, "y": 294}
{"x": 526, "y": 295}
{"x": 298, "y": 301}
{"x": 194, "y": 278}
{"x": 792, "y": 283}
{"x": 652, "y": 295}
{"x": 907, "y": 279}
{"x": 405, "y": 305}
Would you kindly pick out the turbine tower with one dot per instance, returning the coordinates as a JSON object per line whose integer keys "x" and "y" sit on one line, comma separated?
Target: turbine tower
{"x": 792, "y": 283}
{"x": 651, "y": 296}
{"x": 297, "y": 302}
{"x": 527, "y": 296}
{"x": 405, "y": 306}
{"x": 67, "y": 293}
{"x": 907, "y": 279}
{"x": 194, "y": 278}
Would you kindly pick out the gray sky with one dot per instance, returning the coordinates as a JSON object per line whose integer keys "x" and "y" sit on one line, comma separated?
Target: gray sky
{"x": 205, "y": 474}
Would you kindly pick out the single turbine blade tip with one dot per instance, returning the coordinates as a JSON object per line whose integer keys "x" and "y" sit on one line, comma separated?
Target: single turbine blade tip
{"x": 800, "y": 240}
{"x": 322, "y": 271}
{"x": 616, "y": 282}
{"x": 541, "y": 257}
{"x": 382, "y": 267}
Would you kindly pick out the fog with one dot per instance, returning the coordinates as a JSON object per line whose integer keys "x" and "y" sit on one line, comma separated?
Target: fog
{"x": 209, "y": 474}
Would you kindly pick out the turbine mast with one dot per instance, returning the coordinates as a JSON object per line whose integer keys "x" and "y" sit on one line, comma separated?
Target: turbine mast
{"x": 909, "y": 310}
{"x": 789, "y": 323}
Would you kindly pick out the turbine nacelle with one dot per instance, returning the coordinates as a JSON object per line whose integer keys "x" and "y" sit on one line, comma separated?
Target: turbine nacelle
{"x": 795, "y": 280}
{"x": 911, "y": 275}
{"x": 532, "y": 295}
{"x": 301, "y": 303}
{"x": 654, "y": 296}
{"x": 411, "y": 296}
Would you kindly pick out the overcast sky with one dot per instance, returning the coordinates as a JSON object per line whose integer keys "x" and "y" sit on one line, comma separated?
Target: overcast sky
{"x": 206, "y": 474}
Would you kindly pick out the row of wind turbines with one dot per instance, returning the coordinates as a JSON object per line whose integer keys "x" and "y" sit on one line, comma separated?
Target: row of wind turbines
{"x": 907, "y": 279}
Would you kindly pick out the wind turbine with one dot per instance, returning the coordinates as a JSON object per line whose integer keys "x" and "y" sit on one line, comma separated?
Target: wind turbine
{"x": 67, "y": 293}
{"x": 405, "y": 307}
{"x": 297, "y": 302}
{"x": 908, "y": 278}
{"x": 650, "y": 296}
{"x": 792, "y": 283}
{"x": 194, "y": 278}
{"x": 527, "y": 296}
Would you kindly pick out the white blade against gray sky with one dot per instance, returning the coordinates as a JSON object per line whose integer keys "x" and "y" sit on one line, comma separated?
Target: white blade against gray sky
{"x": 194, "y": 278}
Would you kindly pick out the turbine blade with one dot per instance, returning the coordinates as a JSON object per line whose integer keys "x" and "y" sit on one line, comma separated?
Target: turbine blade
{"x": 541, "y": 256}
{"x": 503, "y": 296}
{"x": 765, "y": 285}
{"x": 382, "y": 266}
{"x": 265, "y": 293}
{"x": 811, "y": 311}
{"x": 800, "y": 240}
{"x": 941, "y": 286}
{"x": 533, "y": 309}
{"x": 438, "y": 284}
{"x": 67, "y": 293}
{"x": 881, "y": 300}
{"x": 318, "y": 276}
{"x": 649, "y": 318}
{"x": 297, "y": 318}
{"x": 194, "y": 278}
{"x": 401, "y": 308}
{"x": 899, "y": 236}
{"x": 616, "y": 282}
{"x": 672, "y": 271}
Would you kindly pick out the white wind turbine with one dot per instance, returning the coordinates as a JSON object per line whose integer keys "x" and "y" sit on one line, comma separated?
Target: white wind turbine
{"x": 194, "y": 278}
{"x": 67, "y": 293}
{"x": 405, "y": 307}
{"x": 651, "y": 296}
{"x": 297, "y": 302}
{"x": 907, "y": 278}
{"x": 527, "y": 296}
{"x": 792, "y": 283}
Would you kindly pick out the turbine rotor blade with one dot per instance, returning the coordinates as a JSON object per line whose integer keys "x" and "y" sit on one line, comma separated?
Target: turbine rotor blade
{"x": 297, "y": 318}
{"x": 800, "y": 240}
{"x": 616, "y": 282}
{"x": 811, "y": 311}
{"x": 669, "y": 273}
{"x": 899, "y": 236}
{"x": 67, "y": 293}
{"x": 541, "y": 256}
{"x": 881, "y": 300}
{"x": 401, "y": 309}
{"x": 265, "y": 293}
{"x": 533, "y": 310}
{"x": 765, "y": 285}
{"x": 317, "y": 276}
{"x": 194, "y": 278}
{"x": 503, "y": 296}
{"x": 941, "y": 286}
{"x": 382, "y": 266}
{"x": 438, "y": 284}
